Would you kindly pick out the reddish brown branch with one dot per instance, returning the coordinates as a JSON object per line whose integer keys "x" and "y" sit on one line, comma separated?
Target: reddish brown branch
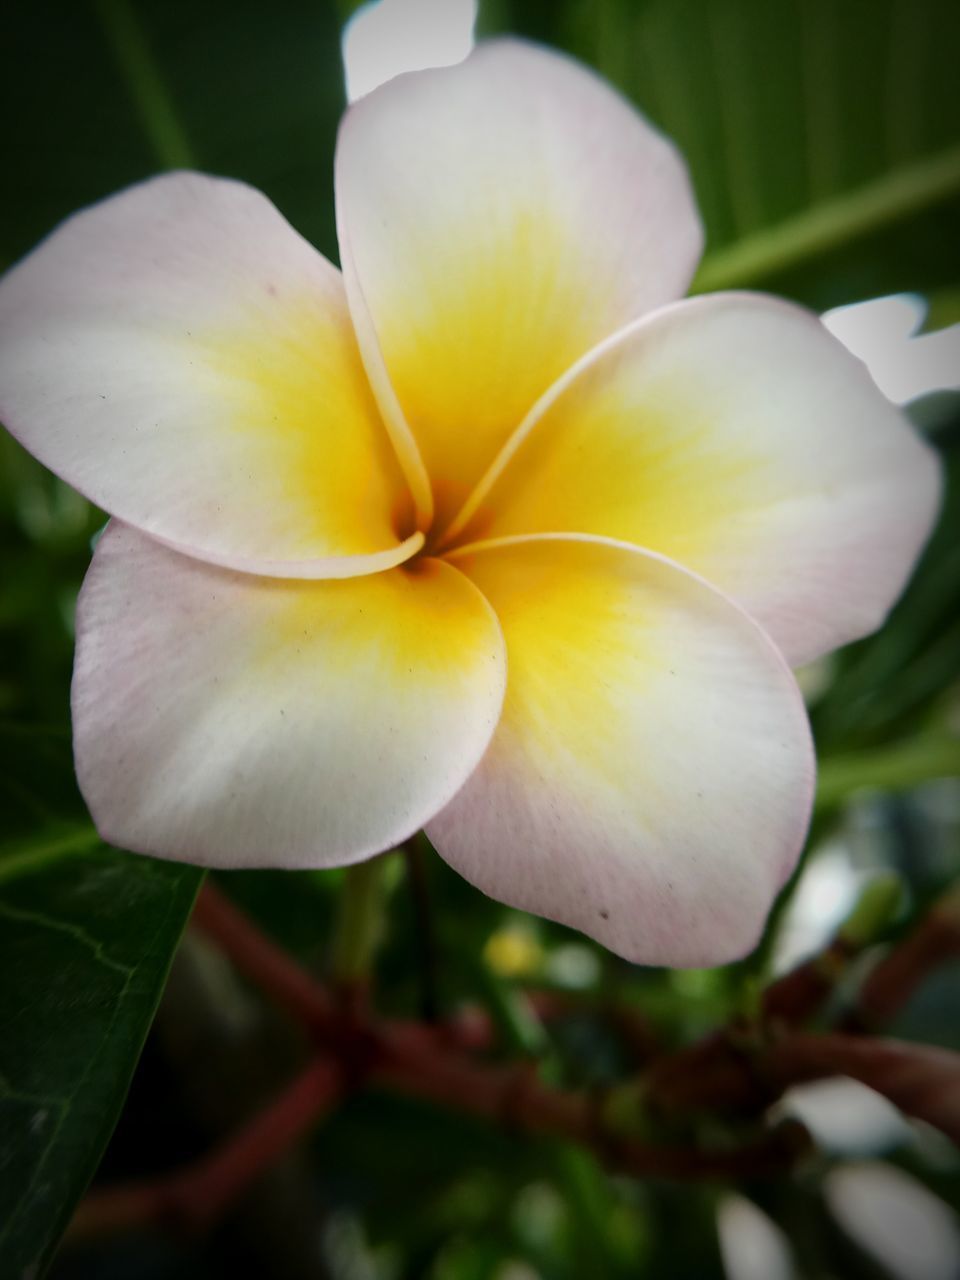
{"x": 513, "y": 1096}
{"x": 329, "y": 1019}
{"x": 738, "y": 1068}
{"x": 723, "y": 1069}
{"x": 732, "y": 1070}
{"x": 801, "y": 993}
{"x": 429, "y": 1062}
{"x": 921, "y": 1080}
{"x": 932, "y": 943}
{"x": 190, "y": 1199}
{"x": 734, "y": 1067}
{"x": 263, "y": 961}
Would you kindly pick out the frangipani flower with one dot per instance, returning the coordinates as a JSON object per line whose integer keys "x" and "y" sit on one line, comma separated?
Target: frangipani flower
{"x": 489, "y": 533}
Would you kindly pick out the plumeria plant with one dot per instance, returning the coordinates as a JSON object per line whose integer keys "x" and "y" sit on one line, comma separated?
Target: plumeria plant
{"x": 490, "y": 534}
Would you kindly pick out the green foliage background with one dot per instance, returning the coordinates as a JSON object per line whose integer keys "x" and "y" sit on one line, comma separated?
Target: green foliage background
{"x": 824, "y": 141}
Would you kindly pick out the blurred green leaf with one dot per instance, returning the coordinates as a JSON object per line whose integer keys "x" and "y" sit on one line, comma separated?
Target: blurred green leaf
{"x": 107, "y": 92}
{"x": 86, "y": 937}
{"x": 920, "y": 759}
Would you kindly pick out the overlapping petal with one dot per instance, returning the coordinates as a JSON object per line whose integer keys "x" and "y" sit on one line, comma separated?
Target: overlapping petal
{"x": 650, "y": 780}
{"x": 180, "y": 355}
{"x": 496, "y": 220}
{"x": 641, "y": 508}
{"x": 734, "y": 435}
{"x": 233, "y": 720}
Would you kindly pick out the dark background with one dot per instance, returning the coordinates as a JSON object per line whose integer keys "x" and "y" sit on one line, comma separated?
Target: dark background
{"x": 824, "y": 144}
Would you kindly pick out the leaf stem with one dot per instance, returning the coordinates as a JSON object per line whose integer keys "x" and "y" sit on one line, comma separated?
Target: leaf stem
{"x": 145, "y": 85}
{"x": 827, "y": 226}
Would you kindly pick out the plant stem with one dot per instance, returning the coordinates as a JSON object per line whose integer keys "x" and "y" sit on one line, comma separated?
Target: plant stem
{"x": 360, "y": 925}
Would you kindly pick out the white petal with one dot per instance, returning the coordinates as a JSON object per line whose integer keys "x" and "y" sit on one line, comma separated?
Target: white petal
{"x": 180, "y": 355}
{"x": 650, "y": 780}
{"x": 496, "y": 220}
{"x": 232, "y": 720}
{"x": 734, "y": 435}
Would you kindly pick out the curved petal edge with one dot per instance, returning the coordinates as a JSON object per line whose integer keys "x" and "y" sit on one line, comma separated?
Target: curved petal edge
{"x": 238, "y": 721}
{"x": 651, "y": 779}
{"x": 497, "y": 219}
{"x": 736, "y": 436}
{"x": 180, "y": 355}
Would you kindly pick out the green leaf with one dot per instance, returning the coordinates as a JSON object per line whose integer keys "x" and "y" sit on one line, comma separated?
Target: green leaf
{"x": 86, "y": 938}
{"x": 822, "y": 135}
{"x": 108, "y": 93}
